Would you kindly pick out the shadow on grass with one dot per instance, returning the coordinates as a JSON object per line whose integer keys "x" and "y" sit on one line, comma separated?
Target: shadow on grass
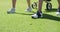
{"x": 47, "y": 16}
{"x": 52, "y": 10}
{"x": 23, "y": 13}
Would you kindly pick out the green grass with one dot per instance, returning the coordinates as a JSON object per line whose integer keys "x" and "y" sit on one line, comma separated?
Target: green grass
{"x": 21, "y": 21}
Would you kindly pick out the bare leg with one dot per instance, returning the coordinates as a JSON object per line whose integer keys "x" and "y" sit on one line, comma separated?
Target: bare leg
{"x": 13, "y": 3}
{"x": 28, "y": 2}
{"x": 58, "y": 11}
{"x": 59, "y": 3}
{"x": 40, "y": 5}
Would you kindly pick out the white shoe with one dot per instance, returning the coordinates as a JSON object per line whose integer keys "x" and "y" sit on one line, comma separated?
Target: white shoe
{"x": 37, "y": 15}
{"x": 12, "y": 10}
{"x": 58, "y": 12}
{"x": 29, "y": 9}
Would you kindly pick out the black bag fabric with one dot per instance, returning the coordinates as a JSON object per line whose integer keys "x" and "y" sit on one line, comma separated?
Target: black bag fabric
{"x": 48, "y": 0}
